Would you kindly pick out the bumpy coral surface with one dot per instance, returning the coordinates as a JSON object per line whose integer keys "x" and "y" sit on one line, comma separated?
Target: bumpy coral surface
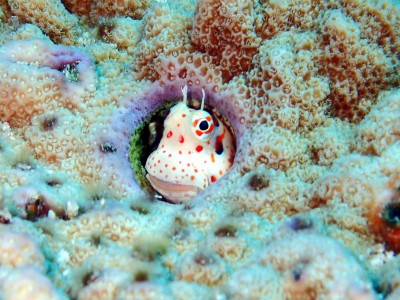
{"x": 311, "y": 206}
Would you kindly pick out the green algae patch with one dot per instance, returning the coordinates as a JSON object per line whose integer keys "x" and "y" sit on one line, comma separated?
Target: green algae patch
{"x": 145, "y": 139}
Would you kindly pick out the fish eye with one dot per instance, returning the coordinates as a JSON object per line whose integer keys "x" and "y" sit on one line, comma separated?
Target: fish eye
{"x": 203, "y": 125}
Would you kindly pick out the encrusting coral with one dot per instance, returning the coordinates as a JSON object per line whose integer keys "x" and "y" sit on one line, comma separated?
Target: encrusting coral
{"x": 309, "y": 208}
{"x": 38, "y": 75}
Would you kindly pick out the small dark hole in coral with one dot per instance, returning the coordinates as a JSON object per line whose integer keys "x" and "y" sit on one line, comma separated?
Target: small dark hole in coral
{"x": 53, "y": 183}
{"x": 49, "y": 123}
{"x": 36, "y": 208}
{"x": 70, "y": 71}
{"x": 180, "y": 234}
{"x": 226, "y": 231}
{"x": 108, "y": 147}
{"x": 95, "y": 240}
{"x": 96, "y": 197}
{"x": 105, "y": 30}
{"x": 148, "y": 252}
{"x": 203, "y": 260}
{"x": 300, "y": 223}
{"x": 140, "y": 209}
{"x": 141, "y": 276}
{"x": 4, "y": 220}
{"x": 258, "y": 182}
{"x": 297, "y": 274}
{"x": 24, "y": 166}
{"x": 391, "y": 213}
{"x": 89, "y": 278}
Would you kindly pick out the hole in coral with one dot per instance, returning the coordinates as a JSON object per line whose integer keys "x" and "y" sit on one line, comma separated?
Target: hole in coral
{"x": 70, "y": 71}
{"x": 105, "y": 30}
{"x": 203, "y": 259}
{"x": 24, "y": 166}
{"x": 108, "y": 147}
{"x": 36, "y": 208}
{"x": 4, "y": 220}
{"x": 141, "y": 209}
{"x": 300, "y": 223}
{"x": 258, "y": 182}
{"x": 226, "y": 231}
{"x": 89, "y": 277}
{"x": 95, "y": 240}
{"x": 150, "y": 249}
{"x": 23, "y": 161}
{"x": 53, "y": 182}
{"x": 49, "y": 123}
{"x": 170, "y": 150}
{"x": 141, "y": 276}
{"x": 296, "y": 273}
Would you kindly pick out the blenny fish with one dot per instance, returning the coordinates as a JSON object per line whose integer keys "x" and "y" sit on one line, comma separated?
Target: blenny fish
{"x": 195, "y": 150}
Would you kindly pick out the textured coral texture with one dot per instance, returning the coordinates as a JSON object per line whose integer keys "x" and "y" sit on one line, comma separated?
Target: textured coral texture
{"x": 311, "y": 206}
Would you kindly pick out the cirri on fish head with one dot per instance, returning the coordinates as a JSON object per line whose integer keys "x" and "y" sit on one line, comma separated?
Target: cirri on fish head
{"x": 196, "y": 149}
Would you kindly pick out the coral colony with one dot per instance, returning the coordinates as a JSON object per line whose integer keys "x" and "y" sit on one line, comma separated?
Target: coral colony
{"x": 280, "y": 122}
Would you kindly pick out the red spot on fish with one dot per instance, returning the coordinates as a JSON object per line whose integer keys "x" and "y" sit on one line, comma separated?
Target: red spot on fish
{"x": 199, "y": 148}
{"x": 169, "y": 134}
{"x": 173, "y": 168}
{"x": 166, "y": 165}
{"x": 213, "y": 178}
{"x": 220, "y": 172}
{"x": 181, "y": 139}
{"x": 195, "y": 170}
{"x": 180, "y": 152}
{"x": 169, "y": 155}
{"x": 212, "y": 157}
{"x": 183, "y": 115}
{"x": 192, "y": 178}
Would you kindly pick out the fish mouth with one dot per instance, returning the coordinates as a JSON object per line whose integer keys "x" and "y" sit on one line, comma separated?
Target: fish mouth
{"x": 174, "y": 192}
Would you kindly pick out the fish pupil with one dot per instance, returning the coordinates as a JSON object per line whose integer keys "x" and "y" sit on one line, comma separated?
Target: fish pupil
{"x": 203, "y": 125}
